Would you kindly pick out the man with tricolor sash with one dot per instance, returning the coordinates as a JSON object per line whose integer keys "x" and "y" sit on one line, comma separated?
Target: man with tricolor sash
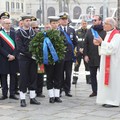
{"x": 109, "y": 77}
{"x": 8, "y": 60}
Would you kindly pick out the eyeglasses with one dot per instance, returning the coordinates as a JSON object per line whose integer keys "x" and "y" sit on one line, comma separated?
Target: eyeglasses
{"x": 94, "y": 20}
{"x": 35, "y": 27}
{"x": 105, "y": 23}
{"x": 7, "y": 23}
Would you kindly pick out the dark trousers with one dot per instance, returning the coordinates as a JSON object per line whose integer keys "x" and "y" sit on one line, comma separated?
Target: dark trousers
{"x": 28, "y": 75}
{"x": 54, "y": 75}
{"x": 0, "y": 80}
{"x": 79, "y": 58}
{"x": 39, "y": 83}
{"x": 93, "y": 75}
{"x": 16, "y": 82}
{"x": 66, "y": 73}
{"x": 4, "y": 84}
{"x": 76, "y": 68}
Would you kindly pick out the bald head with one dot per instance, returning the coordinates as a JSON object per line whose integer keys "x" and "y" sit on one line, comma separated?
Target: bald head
{"x": 34, "y": 23}
{"x": 35, "y": 26}
{"x": 6, "y": 21}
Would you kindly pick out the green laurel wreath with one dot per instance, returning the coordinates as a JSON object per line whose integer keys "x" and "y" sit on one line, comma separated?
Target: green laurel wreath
{"x": 36, "y": 46}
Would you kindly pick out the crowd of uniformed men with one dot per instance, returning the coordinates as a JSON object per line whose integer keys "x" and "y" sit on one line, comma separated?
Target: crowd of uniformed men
{"x": 21, "y": 66}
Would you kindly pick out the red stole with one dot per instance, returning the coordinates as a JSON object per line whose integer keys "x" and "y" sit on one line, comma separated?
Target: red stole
{"x": 107, "y": 59}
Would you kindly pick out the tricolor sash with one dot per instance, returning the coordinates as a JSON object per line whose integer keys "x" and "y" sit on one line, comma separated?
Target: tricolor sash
{"x": 7, "y": 39}
{"x": 107, "y": 60}
{"x": 48, "y": 45}
{"x": 41, "y": 68}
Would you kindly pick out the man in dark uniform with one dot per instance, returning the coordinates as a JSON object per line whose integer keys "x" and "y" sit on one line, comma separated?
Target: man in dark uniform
{"x": 80, "y": 33}
{"x": 91, "y": 51}
{"x": 70, "y": 42}
{"x": 27, "y": 64}
{"x": 3, "y": 16}
{"x": 8, "y": 61}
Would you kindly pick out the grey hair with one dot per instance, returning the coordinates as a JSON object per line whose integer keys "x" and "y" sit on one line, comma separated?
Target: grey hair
{"x": 111, "y": 21}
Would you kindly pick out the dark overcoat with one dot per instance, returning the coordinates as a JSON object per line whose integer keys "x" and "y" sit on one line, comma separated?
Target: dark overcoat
{"x": 8, "y": 67}
{"x": 90, "y": 49}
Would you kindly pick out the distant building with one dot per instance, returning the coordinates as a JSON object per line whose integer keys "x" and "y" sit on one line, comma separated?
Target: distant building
{"x": 44, "y": 8}
{"x": 16, "y": 8}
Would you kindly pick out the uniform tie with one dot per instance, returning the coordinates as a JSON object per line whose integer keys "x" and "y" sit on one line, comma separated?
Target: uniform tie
{"x": 64, "y": 29}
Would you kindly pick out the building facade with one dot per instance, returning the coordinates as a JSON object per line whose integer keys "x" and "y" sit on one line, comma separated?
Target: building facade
{"x": 16, "y": 8}
{"x": 44, "y": 8}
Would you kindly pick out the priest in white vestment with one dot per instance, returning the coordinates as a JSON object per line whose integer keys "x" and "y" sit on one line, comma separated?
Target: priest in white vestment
{"x": 109, "y": 91}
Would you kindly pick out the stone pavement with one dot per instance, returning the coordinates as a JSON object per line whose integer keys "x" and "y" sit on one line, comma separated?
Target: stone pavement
{"x": 78, "y": 107}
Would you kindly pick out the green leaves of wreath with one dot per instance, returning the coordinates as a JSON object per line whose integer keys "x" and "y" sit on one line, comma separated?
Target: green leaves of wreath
{"x": 36, "y": 46}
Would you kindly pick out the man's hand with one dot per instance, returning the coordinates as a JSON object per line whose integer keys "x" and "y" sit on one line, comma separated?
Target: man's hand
{"x": 86, "y": 58}
{"x": 11, "y": 57}
{"x": 97, "y": 41}
{"x": 81, "y": 50}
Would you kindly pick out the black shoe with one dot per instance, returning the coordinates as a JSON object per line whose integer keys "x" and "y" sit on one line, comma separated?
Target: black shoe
{"x": 13, "y": 97}
{"x": 60, "y": 95}
{"x": 68, "y": 94}
{"x": 3, "y": 97}
{"x": 58, "y": 100}
{"x": 34, "y": 101}
{"x": 93, "y": 95}
{"x": 52, "y": 100}
{"x": 74, "y": 81}
{"x": 109, "y": 106}
{"x": 23, "y": 103}
{"x": 40, "y": 95}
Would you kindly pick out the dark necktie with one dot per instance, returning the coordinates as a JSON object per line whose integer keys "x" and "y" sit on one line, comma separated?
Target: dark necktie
{"x": 65, "y": 29}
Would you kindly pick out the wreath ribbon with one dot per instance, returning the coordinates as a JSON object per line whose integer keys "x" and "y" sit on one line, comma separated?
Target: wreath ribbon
{"x": 48, "y": 45}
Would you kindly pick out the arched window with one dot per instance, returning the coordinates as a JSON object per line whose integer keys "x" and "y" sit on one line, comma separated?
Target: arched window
{"x": 102, "y": 12}
{"x": 22, "y": 7}
{"x": 76, "y": 12}
{"x": 12, "y": 6}
{"x": 7, "y": 6}
{"x": 51, "y": 11}
{"x": 91, "y": 11}
{"x": 17, "y": 5}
